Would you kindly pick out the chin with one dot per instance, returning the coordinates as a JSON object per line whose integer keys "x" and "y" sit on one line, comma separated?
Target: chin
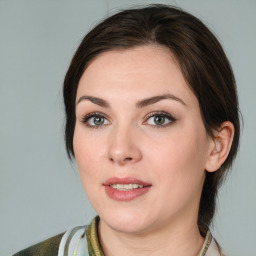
{"x": 126, "y": 221}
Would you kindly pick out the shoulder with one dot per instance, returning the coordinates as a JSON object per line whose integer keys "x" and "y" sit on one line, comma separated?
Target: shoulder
{"x": 48, "y": 247}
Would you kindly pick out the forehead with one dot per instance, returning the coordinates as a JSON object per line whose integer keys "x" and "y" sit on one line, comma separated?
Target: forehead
{"x": 143, "y": 70}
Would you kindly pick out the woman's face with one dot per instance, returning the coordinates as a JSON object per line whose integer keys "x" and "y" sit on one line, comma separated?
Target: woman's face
{"x": 139, "y": 140}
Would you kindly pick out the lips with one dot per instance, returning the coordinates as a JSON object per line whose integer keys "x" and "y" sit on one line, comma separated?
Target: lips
{"x": 127, "y": 180}
{"x": 125, "y": 189}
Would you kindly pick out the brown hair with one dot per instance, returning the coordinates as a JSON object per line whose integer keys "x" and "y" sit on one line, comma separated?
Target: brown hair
{"x": 201, "y": 59}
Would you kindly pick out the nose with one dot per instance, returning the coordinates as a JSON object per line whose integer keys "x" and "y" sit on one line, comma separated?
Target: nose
{"x": 124, "y": 146}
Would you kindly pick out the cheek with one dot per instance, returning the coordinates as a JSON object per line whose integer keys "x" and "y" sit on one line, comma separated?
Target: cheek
{"x": 87, "y": 153}
{"x": 182, "y": 175}
{"x": 180, "y": 159}
{"x": 180, "y": 150}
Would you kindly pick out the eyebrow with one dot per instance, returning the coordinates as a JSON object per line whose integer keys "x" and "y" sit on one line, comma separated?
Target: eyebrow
{"x": 140, "y": 104}
{"x": 155, "y": 99}
{"x": 95, "y": 100}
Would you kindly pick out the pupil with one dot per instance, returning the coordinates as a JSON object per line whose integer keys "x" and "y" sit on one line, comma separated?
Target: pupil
{"x": 98, "y": 120}
{"x": 159, "y": 120}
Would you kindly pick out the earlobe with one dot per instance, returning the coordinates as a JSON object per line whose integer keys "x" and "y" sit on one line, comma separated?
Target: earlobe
{"x": 220, "y": 146}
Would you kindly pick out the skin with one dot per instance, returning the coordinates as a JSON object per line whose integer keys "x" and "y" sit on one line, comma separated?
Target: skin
{"x": 171, "y": 157}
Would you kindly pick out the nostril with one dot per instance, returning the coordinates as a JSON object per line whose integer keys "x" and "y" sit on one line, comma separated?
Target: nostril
{"x": 126, "y": 156}
{"x": 128, "y": 159}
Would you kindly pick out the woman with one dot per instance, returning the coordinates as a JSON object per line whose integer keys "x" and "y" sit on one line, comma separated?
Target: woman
{"x": 152, "y": 121}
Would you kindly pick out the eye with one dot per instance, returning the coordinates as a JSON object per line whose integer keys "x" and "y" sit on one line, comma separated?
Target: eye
{"x": 95, "y": 120}
{"x": 160, "y": 119}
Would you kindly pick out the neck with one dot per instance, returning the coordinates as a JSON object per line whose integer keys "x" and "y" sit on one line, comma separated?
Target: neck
{"x": 179, "y": 239}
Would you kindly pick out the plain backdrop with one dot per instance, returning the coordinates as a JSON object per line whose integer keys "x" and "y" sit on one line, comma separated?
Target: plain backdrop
{"x": 40, "y": 191}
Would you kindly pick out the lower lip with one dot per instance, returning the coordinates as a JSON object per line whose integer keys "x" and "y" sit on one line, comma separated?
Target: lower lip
{"x": 125, "y": 195}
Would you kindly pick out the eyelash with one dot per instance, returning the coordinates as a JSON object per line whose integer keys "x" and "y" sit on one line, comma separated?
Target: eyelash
{"x": 153, "y": 114}
{"x": 161, "y": 114}
{"x": 89, "y": 116}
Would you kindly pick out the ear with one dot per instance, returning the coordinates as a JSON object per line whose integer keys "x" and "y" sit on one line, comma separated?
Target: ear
{"x": 220, "y": 146}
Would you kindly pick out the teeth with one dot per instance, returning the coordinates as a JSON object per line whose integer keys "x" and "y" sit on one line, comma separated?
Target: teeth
{"x": 125, "y": 187}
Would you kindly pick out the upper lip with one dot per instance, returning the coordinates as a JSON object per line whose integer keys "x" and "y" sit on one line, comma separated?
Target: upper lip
{"x": 126, "y": 180}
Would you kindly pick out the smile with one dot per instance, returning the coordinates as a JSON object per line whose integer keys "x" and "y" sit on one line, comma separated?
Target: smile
{"x": 125, "y": 187}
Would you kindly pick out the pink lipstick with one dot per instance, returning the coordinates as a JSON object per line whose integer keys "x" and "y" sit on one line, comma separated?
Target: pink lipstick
{"x": 125, "y": 189}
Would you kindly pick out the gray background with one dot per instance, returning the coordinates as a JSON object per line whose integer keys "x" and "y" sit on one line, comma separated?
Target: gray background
{"x": 40, "y": 191}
